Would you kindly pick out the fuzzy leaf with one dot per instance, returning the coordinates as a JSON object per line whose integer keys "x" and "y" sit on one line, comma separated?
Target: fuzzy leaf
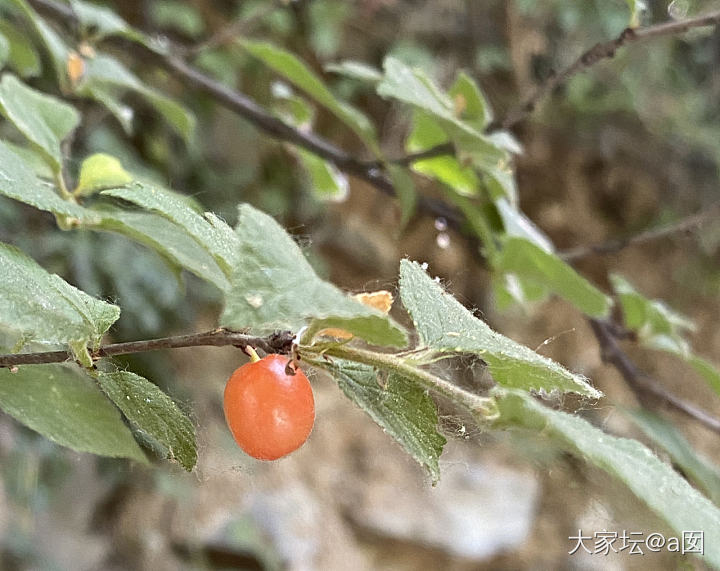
{"x": 402, "y": 408}
{"x": 654, "y": 482}
{"x": 67, "y": 407}
{"x": 532, "y": 263}
{"x": 40, "y": 307}
{"x": 274, "y": 287}
{"x": 153, "y": 413}
{"x": 444, "y": 325}
{"x": 299, "y": 74}
{"x": 101, "y": 171}
{"x": 210, "y": 232}
{"x": 43, "y": 119}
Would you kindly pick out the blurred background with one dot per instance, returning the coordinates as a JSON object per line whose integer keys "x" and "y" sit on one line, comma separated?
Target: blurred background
{"x": 630, "y": 144}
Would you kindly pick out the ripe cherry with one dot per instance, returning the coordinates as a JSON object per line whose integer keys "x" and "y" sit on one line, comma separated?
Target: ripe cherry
{"x": 269, "y": 412}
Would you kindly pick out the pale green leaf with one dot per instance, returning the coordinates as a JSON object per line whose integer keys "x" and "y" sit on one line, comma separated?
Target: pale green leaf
{"x": 102, "y": 22}
{"x": 403, "y": 409}
{"x": 4, "y": 50}
{"x": 664, "y": 433}
{"x": 40, "y": 307}
{"x": 444, "y": 325}
{"x": 19, "y": 182}
{"x": 356, "y": 70}
{"x": 67, "y": 407}
{"x": 299, "y": 74}
{"x": 105, "y": 77}
{"x": 213, "y": 235}
{"x": 100, "y": 171}
{"x": 153, "y": 414}
{"x": 427, "y": 133}
{"x": 707, "y": 370}
{"x": 657, "y": 326}
{"x": 54, "y": 44}
{"x": 654, "y": 482}
{"x": 167, "y": 238}
{"x": 326, "y": 181}
{"x": 22, "y": 56}
{"x": 532, "y": 263}
{"x": 274, "y": 287}
{"x": 43, "y": 119}
{"x": 470, "y": 101}
{"x": 518, "y": 225}
{"x": 414, "y": 87}
{"x": 405, "y": 192}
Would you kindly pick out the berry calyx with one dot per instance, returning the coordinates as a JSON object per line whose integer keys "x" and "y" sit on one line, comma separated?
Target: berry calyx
{"x": 269, "y": 412}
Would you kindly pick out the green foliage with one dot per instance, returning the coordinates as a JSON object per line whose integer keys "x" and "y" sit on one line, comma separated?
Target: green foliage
{"x": 66, "y": 406}
{"x": 21, "y": 56}
{"x": 39, "y": 307}
{"x": 402, "y": 408}
{"x": 98, "y": 172}
{"x": 533, "y": 264}
{"x": 210, "y": 232}
{"x": 153, "y": 413}
{"x": 45, "y": 121}
{"x": 661, "y": 328}
{"x": 445, "y": 326}
{"x": 662, "y": 489}
{"x": 701, "y": 471}
{"x": 300, "y": 75}
{"x": 273, "y": 286}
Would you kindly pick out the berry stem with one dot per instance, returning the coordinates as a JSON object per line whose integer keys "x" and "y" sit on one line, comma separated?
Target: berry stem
{"x": 253, "y": 354}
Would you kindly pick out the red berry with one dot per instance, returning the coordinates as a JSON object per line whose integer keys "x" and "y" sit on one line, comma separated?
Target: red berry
{"x": 269, "y": 412}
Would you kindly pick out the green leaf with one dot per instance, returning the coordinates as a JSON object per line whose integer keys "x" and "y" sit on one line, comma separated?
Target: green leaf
{"x": 405, "y": 191}
{"x": 427, "y": 133}
{"x": 444, "y": 325}
{"x": 274, "y": 287}
{"x": 413, "y": 87}
{"x": 356, "y": 70}
{"x": 40, "y": 307}
{"x": 657, "y": 326}
{"x": 153, "y": 413}
{"x": 327, "y": 182}
{"x": 43, "y": 119}
{"x": 708, "y": 371}
{"x": 211, "y": 233}
{"x": 654, "y": 482}
{"x": 167, "y": 238}
{"x": 4, "y": 50}
{"x": 520, "y": 226}
{"x": 402, "y": 408}
{"x": 532, "y": 263}
{"x": 22, "y": 57}
{"x": 177, "y": 15}
{"x": 664, "y": 433}
{"x": 19, "y": 182}
{"x": 65, "y": 406}
{"x": 300, "y": 75}
{"x": 101, "y": 171}
{"x": 106, "y": 77}
{"x": 470, "y": 101}
{"x": 54, "y": 44}
{"x": 102, "y": 22}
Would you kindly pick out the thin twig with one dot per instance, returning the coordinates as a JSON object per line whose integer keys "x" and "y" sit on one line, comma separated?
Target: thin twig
{"x": 600, "y": 51}
{"x": 279, "y": 342}
{"x": 688, "y": 224}
{"x": 642, "y": 384}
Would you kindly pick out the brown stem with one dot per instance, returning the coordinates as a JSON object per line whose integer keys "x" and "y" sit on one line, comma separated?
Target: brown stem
{"x": 279, "y": 342}
{"x": 687, "y": 224}
{"x": 642, "y": 384}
